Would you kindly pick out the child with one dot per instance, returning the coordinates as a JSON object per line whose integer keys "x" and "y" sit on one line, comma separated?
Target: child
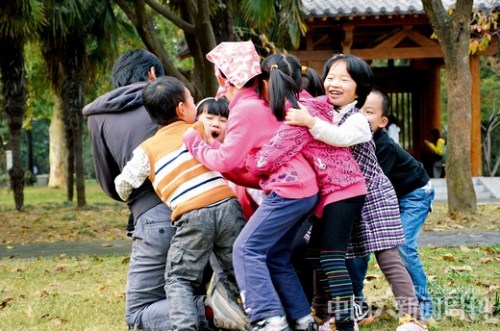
{"x": 205, "y": 212}
{"x": 213, "y": 113}
{"x": 268, "y": 283}
{"x": 347, "y": 81}
{"x": 413, "y": 188}
{"x": 341, "y": 183}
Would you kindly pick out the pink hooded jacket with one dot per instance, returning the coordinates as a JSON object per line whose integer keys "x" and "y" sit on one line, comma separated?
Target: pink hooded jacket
{"x": 250, "y": 125}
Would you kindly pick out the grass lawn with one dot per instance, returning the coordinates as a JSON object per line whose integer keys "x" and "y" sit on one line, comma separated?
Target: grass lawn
{"x": 87, "y": 292}
{"x": 48, "y": 217}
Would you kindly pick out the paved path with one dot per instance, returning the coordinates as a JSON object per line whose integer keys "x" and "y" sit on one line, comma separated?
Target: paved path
{"x": 122, "y": 247}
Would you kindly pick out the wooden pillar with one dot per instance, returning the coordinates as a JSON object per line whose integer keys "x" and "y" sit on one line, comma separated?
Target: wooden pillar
{"x": 475, "y": 147}
{"x": 348, "y": 38}
{"x": 435, "y": 99}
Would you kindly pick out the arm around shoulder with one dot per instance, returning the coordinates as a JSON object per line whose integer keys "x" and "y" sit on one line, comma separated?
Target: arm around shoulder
{"x": 355, "y": 130}
{"x": 133, "y": 175}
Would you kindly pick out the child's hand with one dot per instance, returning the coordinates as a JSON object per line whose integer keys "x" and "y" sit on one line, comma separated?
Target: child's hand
{"x": 299, "y": 116}
{"x": 198, "y": 127}
{"x": 189, "y": 132}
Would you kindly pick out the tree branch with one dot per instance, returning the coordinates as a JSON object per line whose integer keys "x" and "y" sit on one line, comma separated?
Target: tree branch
{"x": 127, "y": 10}
{"x": 183, "y": 25}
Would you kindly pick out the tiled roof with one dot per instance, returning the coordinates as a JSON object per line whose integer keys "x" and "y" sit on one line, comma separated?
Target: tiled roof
{"x": 338, "y": 8}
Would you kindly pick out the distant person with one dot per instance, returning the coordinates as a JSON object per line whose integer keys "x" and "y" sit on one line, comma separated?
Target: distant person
{"x": 118, "y": 123}
{"x": 205, "y": 212}
{"x": 393, "y": 128}
{"x": 434, "y": 154}
{"x": 415, "y": 196}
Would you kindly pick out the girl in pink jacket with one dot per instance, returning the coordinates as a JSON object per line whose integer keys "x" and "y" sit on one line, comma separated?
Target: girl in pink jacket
{"x": 268, "y": 283}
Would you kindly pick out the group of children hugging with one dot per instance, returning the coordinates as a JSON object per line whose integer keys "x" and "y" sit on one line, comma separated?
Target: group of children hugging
{"x": 283, "y": 151}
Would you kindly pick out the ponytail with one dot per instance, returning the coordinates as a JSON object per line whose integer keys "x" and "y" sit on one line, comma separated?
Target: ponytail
{"x": 285, "y": 78}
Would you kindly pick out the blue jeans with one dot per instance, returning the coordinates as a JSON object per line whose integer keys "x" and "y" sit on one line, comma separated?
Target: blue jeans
{"x": 414, "y": 207}
{"x": 146, "y": 305}
{"x": 358, "y": 267}
{"x": 266, "y": 278}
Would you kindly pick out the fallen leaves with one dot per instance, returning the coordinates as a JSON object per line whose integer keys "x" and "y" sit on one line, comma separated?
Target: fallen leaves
{"x": 448, "y": 257}
{"x": 4, "y": 302}
{"x": 56, "y": 222}
{"x": 486, "y": 219}
{"x": 458, "y": 268}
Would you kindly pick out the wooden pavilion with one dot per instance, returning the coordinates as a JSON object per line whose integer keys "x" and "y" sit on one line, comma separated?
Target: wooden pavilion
{"x": 394, "y": 36}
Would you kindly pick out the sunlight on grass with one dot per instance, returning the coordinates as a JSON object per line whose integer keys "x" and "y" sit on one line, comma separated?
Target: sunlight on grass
{"x": 464, "y": 285}
{"x": 84, "y": 293}
{"x": 49, "y": 218}
{"x": 87, "y": 293}
{"x": 34, "y": 195}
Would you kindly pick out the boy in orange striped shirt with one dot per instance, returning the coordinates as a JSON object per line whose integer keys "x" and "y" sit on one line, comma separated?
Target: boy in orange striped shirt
{"x": 205, "y": 211}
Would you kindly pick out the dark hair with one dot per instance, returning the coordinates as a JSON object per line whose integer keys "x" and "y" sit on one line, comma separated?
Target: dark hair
{"x": 213, "y": 107}
{"x": 386, "y": 101}
{"x": 285, "y": 79}
{"x": 311, "y": 82}
{"x": 161, "y": 98}
{"x": 133, "y": 66}
{"x": 359, "y": 71}
{"x": 435, "y": 134}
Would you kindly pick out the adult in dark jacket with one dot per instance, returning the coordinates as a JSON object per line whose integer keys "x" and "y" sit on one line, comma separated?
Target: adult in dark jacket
{"x": 118, "y": 123}
{"x": 415, "y": 195}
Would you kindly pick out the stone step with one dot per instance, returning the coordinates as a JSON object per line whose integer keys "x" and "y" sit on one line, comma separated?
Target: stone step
{"x": 441, "y": 191}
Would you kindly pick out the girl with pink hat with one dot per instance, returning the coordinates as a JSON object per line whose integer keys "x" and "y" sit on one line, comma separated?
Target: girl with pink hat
{"x": 268, "y": 283}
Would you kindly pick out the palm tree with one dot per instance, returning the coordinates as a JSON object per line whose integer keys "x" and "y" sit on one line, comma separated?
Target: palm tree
{"x": 72, "y": 27}
{"x": 19, "y": 20}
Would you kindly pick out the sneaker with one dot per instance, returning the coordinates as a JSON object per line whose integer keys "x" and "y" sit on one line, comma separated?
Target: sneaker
{"x": 224, "y": 300}
{"x": 361, "y": 309}
{"x": 266, "y": 325}
{"x": 408, "y": 323}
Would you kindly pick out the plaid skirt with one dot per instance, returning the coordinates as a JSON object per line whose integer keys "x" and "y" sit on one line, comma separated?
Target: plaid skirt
{"x": 380, "y": 226}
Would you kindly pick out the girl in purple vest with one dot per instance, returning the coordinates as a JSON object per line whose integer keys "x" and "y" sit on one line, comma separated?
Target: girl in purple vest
{"x": 347, "y": 81}
{"x": 340, "y": 181}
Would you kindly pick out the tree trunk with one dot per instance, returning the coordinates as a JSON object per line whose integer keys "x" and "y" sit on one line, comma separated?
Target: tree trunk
{"x": 453, "y": 35}
{"x": 58, "y": 154}
{"x": 199, "y": 36}
{"x": 461, "y": 194}
{"x": 14, "y": 103}
{"x": 72, "y": 98}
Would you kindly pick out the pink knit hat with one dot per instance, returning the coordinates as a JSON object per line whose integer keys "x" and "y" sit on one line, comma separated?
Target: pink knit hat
{"x": 238, "y": 61}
